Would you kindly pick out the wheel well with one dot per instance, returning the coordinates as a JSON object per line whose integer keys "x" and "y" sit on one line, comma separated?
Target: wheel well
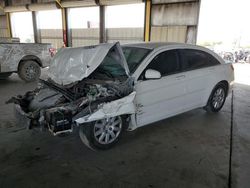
{"x": 225, "y": 83}
{"x": 30, "y": 57}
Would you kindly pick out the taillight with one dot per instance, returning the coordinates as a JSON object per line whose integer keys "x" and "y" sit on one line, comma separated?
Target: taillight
{"x": 52, "y": 51}
{"x": 232, "y": 67}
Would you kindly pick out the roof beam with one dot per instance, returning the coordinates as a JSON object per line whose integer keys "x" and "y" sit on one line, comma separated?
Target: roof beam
{"x": 58, "y": 2}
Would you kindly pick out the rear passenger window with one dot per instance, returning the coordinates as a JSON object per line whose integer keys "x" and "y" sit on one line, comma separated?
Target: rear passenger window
{"x": 195, "y": 59}
{"x": 166, "y": 63}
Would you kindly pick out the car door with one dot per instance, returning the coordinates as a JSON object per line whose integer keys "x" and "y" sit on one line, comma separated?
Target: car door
{"x": 158, "y": 99}
{"x": 199, "y": 69}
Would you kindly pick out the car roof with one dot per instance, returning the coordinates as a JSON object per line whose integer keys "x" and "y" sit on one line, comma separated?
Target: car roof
{"x": 155, "y": 45}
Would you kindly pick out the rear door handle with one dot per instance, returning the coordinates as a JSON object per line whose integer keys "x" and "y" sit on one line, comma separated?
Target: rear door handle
{"x": 180, "y": 77}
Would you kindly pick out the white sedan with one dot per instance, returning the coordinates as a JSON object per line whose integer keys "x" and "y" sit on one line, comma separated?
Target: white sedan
{"x": 108, "y": 88}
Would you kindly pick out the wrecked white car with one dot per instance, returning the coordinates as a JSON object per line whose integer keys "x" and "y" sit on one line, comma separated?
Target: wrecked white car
{"x": 106, "y": 89}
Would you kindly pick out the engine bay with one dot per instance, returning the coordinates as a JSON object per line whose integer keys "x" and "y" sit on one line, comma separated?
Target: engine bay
{"x": 56, "y": 107}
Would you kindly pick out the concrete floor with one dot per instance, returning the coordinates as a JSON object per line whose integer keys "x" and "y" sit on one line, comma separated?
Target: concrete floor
{"x": 188, "y": 150}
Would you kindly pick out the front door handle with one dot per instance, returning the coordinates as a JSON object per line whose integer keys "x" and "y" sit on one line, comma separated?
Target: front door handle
{"x": 180, "y": 77}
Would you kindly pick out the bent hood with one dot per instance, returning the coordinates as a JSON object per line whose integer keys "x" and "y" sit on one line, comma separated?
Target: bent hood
{"x": 74, "y": 64}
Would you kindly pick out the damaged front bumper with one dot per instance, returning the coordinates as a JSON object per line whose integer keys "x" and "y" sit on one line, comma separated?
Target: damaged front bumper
{"x": 118, "y": 107}
{"x": 60, "y": 120}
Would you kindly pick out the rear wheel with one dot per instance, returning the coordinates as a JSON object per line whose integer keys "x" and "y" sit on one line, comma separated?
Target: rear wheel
{"x": 217, "y": 98}
{"x": 102, "y": 134}
{"x": 29, "y": 71}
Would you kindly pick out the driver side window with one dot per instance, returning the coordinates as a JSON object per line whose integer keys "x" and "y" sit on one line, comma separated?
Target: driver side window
{"x": 166, "y": 63}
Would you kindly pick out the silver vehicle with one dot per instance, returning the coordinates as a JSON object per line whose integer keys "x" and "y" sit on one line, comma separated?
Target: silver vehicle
{"x": 106, "y": 89}
{"x": 26, "y": 59}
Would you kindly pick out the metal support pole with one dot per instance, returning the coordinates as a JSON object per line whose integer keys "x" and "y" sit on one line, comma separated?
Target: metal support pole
{"x": 8, "y": 3}
{"x": 64, "y": 25}
{"x": 147, "y": 23}
{"x": 8, "y": 25}
{"x": 102, "y": 37}
{"x": 68, "y": 29}
{"x": 37, "y": 36}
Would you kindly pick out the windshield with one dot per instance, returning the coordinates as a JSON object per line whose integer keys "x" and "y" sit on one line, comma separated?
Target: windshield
{"x": 135, "y": 56}
{"x": 111, "y": 66}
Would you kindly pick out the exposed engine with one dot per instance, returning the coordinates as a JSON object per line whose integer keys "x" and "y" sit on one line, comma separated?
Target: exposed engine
{"x": 56, "y": 107}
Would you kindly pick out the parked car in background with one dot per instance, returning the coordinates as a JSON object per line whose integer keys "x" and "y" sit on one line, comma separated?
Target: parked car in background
{"x": 26, "y": 59}
{"x": 106, "y": 89}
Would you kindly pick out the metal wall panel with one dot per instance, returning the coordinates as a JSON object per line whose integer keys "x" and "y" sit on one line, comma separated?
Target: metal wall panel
{"x": 84, "y": 42}
{"x": 159, "y": 34}
{"x": 75, "y": 3}
{"x": 45, "y": 1}
{"x": 175, "y": 14}
{"x": 85, "y": 37}
{"x": 43, "y": 6}
{"x": 4, "y": 33}
{"x": 1, "y": 11}
{"x": 170, "y": 1}
{"x": 20, "y": 2}
{"x": 2, "y": 3}
{"x": 19, "y": 8}
{"x": 3, "y": 22}
{"x": 191, "y": 34}
{"x": 175, "y": 20}
{"x": 54, "y": 36}
{"x": 177, "y": 33}
{"x": 169, "y": 34}
{"x": 125, "y": 35}
{"x": 56, "y": 43}
{"x": 118, "y": 2}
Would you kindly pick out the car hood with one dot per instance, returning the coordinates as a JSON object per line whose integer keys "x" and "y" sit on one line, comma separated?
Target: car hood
{"x": 74, "y": 64}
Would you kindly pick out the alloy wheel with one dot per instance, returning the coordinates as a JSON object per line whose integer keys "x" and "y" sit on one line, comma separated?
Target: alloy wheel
{"x": 107, "y": 130}
{"x": 218, "y": 98}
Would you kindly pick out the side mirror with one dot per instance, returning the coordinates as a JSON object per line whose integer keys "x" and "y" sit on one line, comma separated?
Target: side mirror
{"x": 152, "y": 74}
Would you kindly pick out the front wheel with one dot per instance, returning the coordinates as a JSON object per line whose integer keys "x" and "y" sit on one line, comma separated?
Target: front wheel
{"x": 102, "y": 134}
{"x": 217, "y": 98}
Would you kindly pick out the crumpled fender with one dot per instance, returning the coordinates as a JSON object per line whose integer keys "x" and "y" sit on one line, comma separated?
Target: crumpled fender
{"x": 118, "y": 107}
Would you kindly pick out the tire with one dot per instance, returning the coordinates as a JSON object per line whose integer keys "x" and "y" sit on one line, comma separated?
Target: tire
{"x": 98, "y": 134}
{"x": 217, "y": 98}
{"x": 4, "y": 76}
{"x": 29, "y": 71}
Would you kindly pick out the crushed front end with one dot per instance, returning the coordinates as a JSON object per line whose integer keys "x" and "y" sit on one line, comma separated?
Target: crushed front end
{"x": 84, "y": 84}
{"x": 57, "y": 108}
